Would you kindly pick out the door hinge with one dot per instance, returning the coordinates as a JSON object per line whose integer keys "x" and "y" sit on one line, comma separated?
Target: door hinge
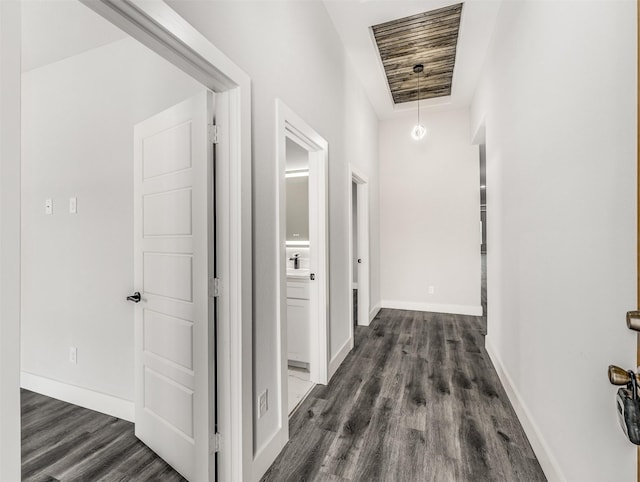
{"x": 214, "y": 442}
{"x": 213, "y": 133}
{"x": 215, "y": 287}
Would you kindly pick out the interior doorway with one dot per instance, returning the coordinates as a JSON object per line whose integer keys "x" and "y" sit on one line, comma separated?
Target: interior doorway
{"x": 112, "y": 231}
{"x": 483, "y": 223}
{"x": 298, "y": 261}
{"x": 303, "y": 287}
{"x": 359, "y": 250}
{"x": 199, "y": 60}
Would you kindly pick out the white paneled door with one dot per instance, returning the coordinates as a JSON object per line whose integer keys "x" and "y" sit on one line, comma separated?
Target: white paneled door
{"x": 173, "y": 179}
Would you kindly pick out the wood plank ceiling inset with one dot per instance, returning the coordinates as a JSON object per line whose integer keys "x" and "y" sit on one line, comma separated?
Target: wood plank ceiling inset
{"x": 428, "y": 38}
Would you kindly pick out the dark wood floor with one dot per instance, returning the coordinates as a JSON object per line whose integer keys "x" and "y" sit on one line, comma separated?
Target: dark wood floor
{"x": 417, "y": 400}
{"x": 64, "y": 442}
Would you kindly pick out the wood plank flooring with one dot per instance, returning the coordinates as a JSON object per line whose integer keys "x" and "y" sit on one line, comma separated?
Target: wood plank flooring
{"x": 417, "y": 400}
{"x": 64, "y": 442}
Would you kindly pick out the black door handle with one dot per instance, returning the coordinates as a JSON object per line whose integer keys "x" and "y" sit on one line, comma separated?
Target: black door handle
{"x": 135, "y": 297}
{"x": 359, "y": 260}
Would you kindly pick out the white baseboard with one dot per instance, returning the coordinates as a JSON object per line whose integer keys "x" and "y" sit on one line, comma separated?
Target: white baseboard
{"x": 337, "y": 360}
{"x": 434, "y": 307}
{"x": 267, "y": 454}
{"x": 269, "y": 451}
{"x": 547, "y": 461}
{"x": 83, "y": 397}
{"x": 374, "y": 312}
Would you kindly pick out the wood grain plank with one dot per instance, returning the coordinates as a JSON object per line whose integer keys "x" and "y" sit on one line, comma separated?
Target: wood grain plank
{"x": 429, "y": 38}
{"x": 417, "y": 400}
{"x": 63, "y": 442}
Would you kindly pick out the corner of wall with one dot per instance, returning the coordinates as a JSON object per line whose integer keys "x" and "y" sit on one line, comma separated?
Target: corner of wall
{"x": 339, "y": 357}
{"x": 83, "y": 397}
{"x": 544, "y": 454}
{"x": 267, "y": 454}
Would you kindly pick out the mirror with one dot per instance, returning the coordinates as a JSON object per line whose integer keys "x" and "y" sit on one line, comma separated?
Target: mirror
{"x": 297, "y": 184}
{"x": 298, "y": 208}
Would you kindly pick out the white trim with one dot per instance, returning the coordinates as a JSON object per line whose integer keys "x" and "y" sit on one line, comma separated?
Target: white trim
{"x": 337, "y": 360}
{"x": 266, "y": 454}
{"x": 290, "y": 126}
{"x": 10, "y": 79}
{"x": 433, "y": 307}
{"x": 159, "y": 27}
{"x": 548, "y": 462}
{"x": 83, "y": 397}
{"x": 362, "y": 205}
{"x": 374, "y": 312}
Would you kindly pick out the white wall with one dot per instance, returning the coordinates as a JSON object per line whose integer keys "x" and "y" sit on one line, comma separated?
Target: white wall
{"x": 9, "y": 240}
{"x": 558, "y": 96}
{"x": 430, "y": 215}
{"x": 292, "y": 52}
{"x": 78, "y": 118}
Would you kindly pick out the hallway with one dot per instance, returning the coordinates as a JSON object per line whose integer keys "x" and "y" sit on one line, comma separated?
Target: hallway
{"x": 416, "y": 400}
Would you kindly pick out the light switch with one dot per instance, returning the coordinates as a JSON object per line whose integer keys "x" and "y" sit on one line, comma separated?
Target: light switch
{"x": 48, "y": 206}
{"x": 73, "y": 205}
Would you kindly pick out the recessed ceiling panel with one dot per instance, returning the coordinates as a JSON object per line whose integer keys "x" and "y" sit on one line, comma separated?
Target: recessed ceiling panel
{"x": 428, "y": 38}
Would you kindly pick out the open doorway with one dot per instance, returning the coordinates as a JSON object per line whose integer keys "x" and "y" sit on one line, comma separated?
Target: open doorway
{"x": 359, "y": 249}
{"x": 354, "y": 247}
{"x": 81, "y": 208}
{"x": 483, "y": 222}
{"x": 298, "y": 255}
{"x": 303, "y": 273}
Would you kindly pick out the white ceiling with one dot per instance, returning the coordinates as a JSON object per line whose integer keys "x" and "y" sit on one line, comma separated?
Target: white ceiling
{"x": 53, "y": 30}
{"x": 352, "y": 19}
{"x": 57, "y": 29}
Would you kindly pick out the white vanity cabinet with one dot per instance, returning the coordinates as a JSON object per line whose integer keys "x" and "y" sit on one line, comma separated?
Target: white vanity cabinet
{"x": 298, "y": 319}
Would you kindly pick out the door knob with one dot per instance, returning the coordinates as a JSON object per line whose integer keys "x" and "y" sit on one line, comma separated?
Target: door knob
{"x": 620, "y": 376}
{"x": 359, "y": 260}
{"x": 633, "y": 320}
{"x": 135, "y": 297}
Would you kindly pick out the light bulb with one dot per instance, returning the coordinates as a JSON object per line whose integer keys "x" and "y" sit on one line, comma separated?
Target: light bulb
{"x": 418, "y": 132}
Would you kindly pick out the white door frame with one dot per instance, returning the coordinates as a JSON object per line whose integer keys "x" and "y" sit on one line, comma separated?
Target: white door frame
{"x": 362, "y": 218}
{"x": 10, "y": 79}
{"x": 160, "y": 28}
{"x": 290, "y": 126}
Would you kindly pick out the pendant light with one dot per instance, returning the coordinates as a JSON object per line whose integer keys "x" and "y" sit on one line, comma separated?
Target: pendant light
{"x": 418, "y": 131}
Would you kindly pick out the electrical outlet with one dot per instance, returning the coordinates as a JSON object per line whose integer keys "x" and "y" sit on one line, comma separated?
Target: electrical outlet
{"x": 263, "y": 403}
{"x": 73, "y": 355}
{"x": 73, "y": 205}
{"x": 432, "y": 290}
{"x": 48, "y": 206}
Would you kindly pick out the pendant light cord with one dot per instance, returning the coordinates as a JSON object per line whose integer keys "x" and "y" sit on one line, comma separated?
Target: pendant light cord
{"x": 418, "y": 73}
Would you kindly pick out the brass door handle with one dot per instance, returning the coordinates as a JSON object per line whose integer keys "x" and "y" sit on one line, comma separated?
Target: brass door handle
{"x": 620, "y": 376}
{"x": 633, "y": 320}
